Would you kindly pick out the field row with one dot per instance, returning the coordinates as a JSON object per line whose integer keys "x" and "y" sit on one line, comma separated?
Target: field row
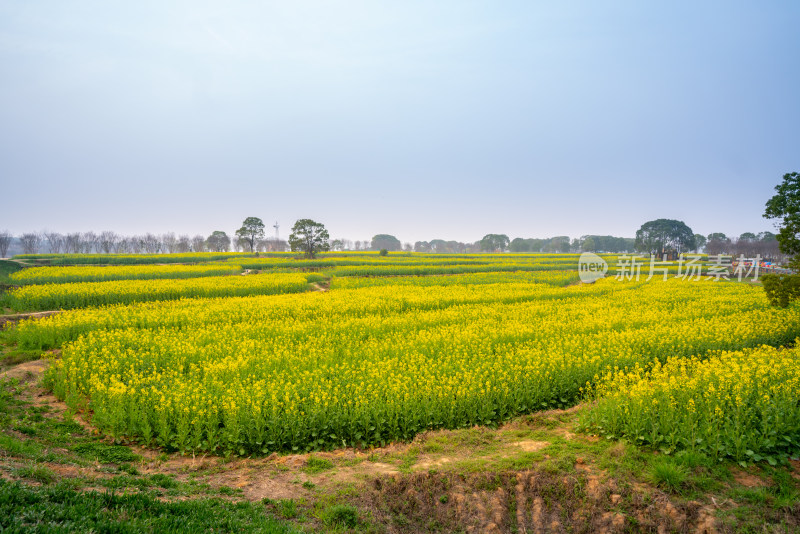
{"x": 61, "y": 275}
{"x": 559, "y": 278}
{"x": 130, "y": 259}
{"x": 82, "y": 294}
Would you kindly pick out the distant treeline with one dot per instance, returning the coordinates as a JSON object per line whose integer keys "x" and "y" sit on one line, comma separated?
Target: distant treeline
{"x": 749, "y": 244}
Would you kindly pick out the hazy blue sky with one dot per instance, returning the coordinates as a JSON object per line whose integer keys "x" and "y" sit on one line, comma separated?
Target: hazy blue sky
{"x": 423, "y": 119}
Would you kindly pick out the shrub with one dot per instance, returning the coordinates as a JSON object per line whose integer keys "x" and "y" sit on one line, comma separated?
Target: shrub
{"x": 781, "y": 289}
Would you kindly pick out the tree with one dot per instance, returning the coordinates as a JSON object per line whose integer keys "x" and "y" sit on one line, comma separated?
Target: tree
{"x": 107, "y": 241}
{"x": 55, "y": 241}
{"x": 218, "y": 241}
{"x": 170, "y": 242}
{"x": 589, "y": 245}
{"x": 718, "y": 243}
{"x": 494, "y": 242}
{"x": 30, "y": 242}
{"x": 251, "y": 231}
{"x": 151, "y": 244}
{"x": 664, "y": 236}
{"x": 5, "y": 242}
{"x": 519, "y": 245}
{"x": 699, "y": 242}
{"x": 309, "y": 237}
{"x": 198, "y": 243}
{"x": 389, "y": 242}
{"x": 72, "y": 243}
{"x": 559, "y": 243}
{"x": 785, "y": 207}
{"x": 184, "y": 244}
{"x": 122, "y": 245}
{"x": 88, "y": 242}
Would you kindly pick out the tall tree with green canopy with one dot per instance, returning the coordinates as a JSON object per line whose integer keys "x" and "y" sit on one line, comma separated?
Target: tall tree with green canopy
{"x": 494, "y": 243}
{"x": 386, "y": 241}
{"x": 218, "y": 241}
{"x": 309, "y": 237}
{"x": 699, "y": 242}
{"x": 664, "y": 236}
{"x": 785, "y": 207}
{"x": 251, "y": 231}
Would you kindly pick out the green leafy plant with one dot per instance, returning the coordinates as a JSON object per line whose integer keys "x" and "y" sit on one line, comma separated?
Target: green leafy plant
{"x": 781, "y": 289}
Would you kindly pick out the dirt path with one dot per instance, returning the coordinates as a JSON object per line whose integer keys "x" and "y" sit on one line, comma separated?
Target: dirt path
{"x": 26, "y": 372}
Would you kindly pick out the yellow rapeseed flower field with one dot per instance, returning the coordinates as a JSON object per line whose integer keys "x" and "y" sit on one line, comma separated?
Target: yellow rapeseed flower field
{"x": 82, "y": 294}
{"x": 91, "y": 273}
{"x": 731, "y": 404}
{"x": 373, "y": 364}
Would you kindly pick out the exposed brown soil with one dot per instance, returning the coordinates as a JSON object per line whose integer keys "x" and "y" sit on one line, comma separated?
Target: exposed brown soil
{"x": 748, "y": 480}
{"x": 25, "y": 372}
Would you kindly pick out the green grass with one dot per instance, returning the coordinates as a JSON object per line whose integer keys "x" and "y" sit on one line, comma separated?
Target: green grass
{"x": 669, "y": 475}
{"x": 39, "y": 473}
{"x": 16, "y": 356}
{"x": 315, "y": 464}
{"x": 6, "y": 268}
{"x": 105, "y": 453}
{"x": 61, "y": 509}
{"x": 340, "y": 515}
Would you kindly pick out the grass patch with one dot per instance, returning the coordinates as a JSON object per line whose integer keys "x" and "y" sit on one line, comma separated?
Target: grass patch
{"x": 105, "y": 453}
{"x": 39, "y": 473}
{"x": 340, "y": 515}
{"x": 315, "y": 464}
{"x": 6, "y": 269}
{"x": 17, "y": 447}
{"x": 669, "y": 475}
{"x": 59, "y": 508}
{"x": 18, "y": 356}
{"x": 287, "y": 508}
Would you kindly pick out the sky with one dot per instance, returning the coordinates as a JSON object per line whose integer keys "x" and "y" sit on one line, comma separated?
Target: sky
{"x": 420, "y": 119}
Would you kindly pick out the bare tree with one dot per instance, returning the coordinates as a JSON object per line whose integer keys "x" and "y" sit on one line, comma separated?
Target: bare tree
{"x": 89, "y": 242}
{"x": 106, "y": 241}
{"x": 30, "y": 242}
{"x": 5, "y": 242}
{"x": 170, "y": 242}
{"x": 198, "y": 243}
{"x": 121, "y": 245}
{"x": 183, "y": 244}
{"x": 136, "y": 244}
{"x": 72, "y": 243}
{"x": 55, "y": 241}
{"x": 151, "y": 244}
